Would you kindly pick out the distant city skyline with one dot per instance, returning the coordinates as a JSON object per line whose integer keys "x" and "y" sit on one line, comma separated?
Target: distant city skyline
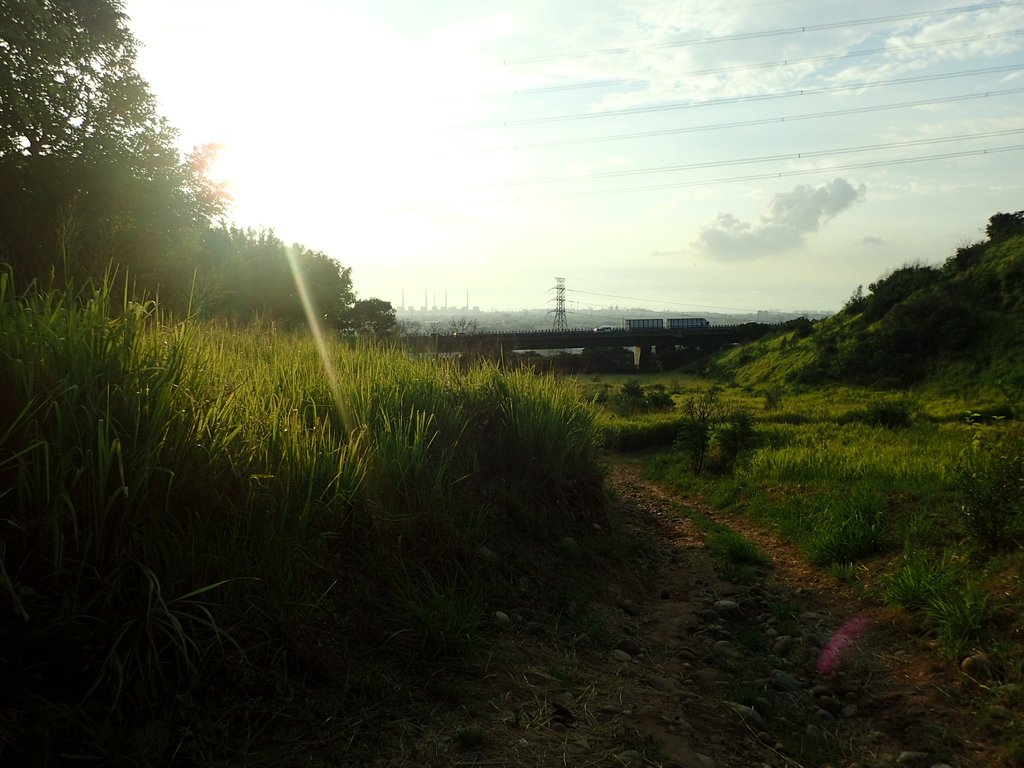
{"x": 437, "y": 300}
{"x": 744, "y": 154}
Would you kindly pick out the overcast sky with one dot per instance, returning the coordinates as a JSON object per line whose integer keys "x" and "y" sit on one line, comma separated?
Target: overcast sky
{"x": 683, "y": 155}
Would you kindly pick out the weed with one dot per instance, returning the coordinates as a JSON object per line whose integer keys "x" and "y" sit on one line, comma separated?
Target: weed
{"x": 732, "y": 548}
{"x": 443, "y": 617}
{"x": 916, "y": 580}
{"x": 990, "y": 479}
{"x": 848, "y": 529}
{"x": 940, "y": 588}
{"x": 962, "y": 616}
{"x": 891, "y": 414}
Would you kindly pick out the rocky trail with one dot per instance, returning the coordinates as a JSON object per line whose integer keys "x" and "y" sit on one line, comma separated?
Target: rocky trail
{"x": 699, "y": 668}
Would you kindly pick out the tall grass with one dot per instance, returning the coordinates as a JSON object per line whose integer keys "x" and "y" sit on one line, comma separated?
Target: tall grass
{"x": 178, "y": 499}
{"x": 942, "y": 588}
{"x": 832, "y": 453}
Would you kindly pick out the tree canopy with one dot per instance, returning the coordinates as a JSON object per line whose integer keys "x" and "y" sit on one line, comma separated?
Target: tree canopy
{"x": 91, "y": 176}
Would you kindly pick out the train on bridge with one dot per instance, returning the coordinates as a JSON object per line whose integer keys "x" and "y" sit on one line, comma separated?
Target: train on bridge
{"x": 659, "y": 324}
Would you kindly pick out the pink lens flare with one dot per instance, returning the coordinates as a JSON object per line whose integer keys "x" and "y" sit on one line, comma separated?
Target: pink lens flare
{"x": 843, "y": 640}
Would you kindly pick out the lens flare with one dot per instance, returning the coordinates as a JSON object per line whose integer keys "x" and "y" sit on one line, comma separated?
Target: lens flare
{"x": 844, "y": 639}
{"x": 315, "y": 326}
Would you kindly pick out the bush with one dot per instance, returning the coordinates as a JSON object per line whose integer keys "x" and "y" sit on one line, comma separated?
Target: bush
{"x": 773, "y": 399}
{"x": 657, "y": 399}
{"x": 735, "y": 437}
{"x": 990, "y": 479}
{"x": 637, "y": 433}
{"x": 891, "y": 414}
{"x": 633, "y": 398}
{"x": 702, "y": 414}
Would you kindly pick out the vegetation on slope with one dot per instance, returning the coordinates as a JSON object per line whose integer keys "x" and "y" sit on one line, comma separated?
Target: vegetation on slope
{"x": 955, "y": 325}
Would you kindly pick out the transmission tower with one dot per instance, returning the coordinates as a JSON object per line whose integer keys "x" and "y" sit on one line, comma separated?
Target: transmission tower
{"x": 560, "y": 324}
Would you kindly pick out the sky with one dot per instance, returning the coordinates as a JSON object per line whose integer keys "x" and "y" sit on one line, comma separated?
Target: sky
{"x": 681, "y": 155}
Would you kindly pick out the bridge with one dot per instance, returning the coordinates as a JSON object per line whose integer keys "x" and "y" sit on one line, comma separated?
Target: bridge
{"x": 644, "y": 342}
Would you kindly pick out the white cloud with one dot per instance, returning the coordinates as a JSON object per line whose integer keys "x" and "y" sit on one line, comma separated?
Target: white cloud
{"x": 790, "y": 217}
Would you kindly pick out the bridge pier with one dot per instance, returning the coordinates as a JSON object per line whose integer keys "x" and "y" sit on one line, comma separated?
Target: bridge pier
{"x": 644, "y": 358}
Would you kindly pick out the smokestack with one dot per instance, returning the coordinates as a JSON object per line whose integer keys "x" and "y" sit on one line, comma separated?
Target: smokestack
{"x": 446, "y": 298}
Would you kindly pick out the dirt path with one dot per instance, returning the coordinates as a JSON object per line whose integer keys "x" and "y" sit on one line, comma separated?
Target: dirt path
{"x": 706, "y": 670}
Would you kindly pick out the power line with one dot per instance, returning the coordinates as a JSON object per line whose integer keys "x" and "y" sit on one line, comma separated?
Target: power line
{"x": 763, "y": 65}
{"x": 657, "y": 301}
{"x": 749, "y": 123}
{"x": 762, "y": 34}
{"x": 762, "y": 159}
{"x": 763, "y": 176}
{"x": 748, "y": 98}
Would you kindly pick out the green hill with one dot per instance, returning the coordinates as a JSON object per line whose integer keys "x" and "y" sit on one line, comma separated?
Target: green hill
{"x": 956, "y": 326}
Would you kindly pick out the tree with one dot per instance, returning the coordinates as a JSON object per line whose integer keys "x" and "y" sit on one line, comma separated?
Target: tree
{"x": 898, "y": 286}
{"x": 703, "y": 413}
{"x": 373, "y": 317}
{"x": 1004, "y": 225}
{"x": 245, "y": 273}
{"x": 66, "y": 76}
{"x": 329, "y": 285}
{"x": 81, "y": 143}
{"x": 856, "y": 302}
{"x": 463, "y": 325}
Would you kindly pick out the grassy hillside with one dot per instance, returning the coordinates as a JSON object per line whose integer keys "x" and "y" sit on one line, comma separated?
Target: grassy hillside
{"x": 956, "y": 327}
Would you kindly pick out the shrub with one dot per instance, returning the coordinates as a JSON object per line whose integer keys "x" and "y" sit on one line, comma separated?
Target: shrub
{"x": 891, "y": 414}
{"x": 633, "y": 398}
{"x": 657, "y": 399}
{"x": 631, "y": 390}
{"x": 773, "y": 399}
{"x": 734, "y": 437}
{"x": 990, "y": 479}
{"x": 639, "y": 432}
{"x": 702, "y": 414}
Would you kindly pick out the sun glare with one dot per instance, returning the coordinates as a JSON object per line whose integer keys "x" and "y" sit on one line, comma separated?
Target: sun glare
{"x": 372, "y": 163}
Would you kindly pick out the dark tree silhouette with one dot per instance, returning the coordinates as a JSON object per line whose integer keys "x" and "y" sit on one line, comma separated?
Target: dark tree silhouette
{"x": 374, "y": 317}
{"x": 1004, "y": 225}
{"x": 89, "y": 172}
